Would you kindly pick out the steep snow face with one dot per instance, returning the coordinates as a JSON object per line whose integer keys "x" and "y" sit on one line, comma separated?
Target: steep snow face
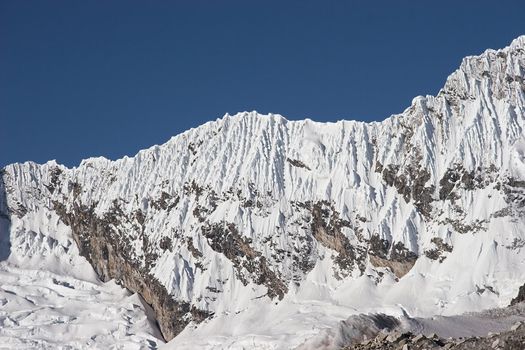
{"x": 253, "y": 228}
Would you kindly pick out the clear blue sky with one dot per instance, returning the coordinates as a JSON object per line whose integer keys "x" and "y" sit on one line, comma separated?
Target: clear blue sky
{"x": 91, "y": 78}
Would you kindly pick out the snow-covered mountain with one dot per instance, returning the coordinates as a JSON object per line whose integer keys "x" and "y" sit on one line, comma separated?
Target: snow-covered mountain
{"x": 257, "y": 231}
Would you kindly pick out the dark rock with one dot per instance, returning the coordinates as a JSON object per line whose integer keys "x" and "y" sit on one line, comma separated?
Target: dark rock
{"x": 398, "y": 259}
{"x": 441, "y": 248}
{"x": 326, "y": 226}
{"x": 410, "y": 183}
{"x": 520, "y": 297}
{"x": 166, "y": 244}
{"x": 191, "y": 248}
{"x": 193, "y": 188}
{"x": 110, "y": 255}
{"x": 297, "y": 163}
{"x": 457, "y": 177}
{"x": 55, "y": 180}
{"x": 378, "y": 246}
{"x": 225, "y": 238}
{"x": 193, "y": 146}
{"x": 165, "y": 202}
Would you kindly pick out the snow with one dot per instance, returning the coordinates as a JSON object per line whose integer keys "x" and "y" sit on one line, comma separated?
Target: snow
{"x": 355, "y": 328}
{"x": 40, "y": 309}
{"x": 50, "y": 297}
{"x": 476, "y": 121}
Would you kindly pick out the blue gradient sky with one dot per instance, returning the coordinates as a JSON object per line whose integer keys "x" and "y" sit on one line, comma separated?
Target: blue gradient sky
{"x": 90, "y": 78}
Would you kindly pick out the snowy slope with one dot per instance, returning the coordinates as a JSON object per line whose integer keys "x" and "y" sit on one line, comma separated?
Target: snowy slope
{"x": 253, "y": 230}
{"x": 453, "y": 330}
{"x": 42, "y": 310}
{"x": 51, "y": 298}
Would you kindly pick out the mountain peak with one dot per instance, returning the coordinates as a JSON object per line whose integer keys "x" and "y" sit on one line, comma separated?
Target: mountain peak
{"x": 252, "y": 216}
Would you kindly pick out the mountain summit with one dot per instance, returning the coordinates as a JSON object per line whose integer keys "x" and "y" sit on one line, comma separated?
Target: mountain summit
{"x": 253, "y": 229}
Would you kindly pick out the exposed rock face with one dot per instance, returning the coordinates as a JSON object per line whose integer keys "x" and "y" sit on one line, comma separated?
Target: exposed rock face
{"x": 5, "y": 222}
{"x": 512, "y": 339}
{"x": 109, "y": 255}
{"x": 410, "y": 183}
{"x": 398, "y": 267}
{"x": 297, "y": 163}
{"x": 326, "y": 226}
{"x": 251, "y": 207}
{"x": 520, "y": 297}
{"x": 438, "y": 252}
{"x": 225, "y": 238}
{"x": 396, "y": 257}
{"x": 459, "y": 178}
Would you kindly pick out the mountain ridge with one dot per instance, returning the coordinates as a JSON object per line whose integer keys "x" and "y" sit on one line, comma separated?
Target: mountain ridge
{"x": 248, "y": 209}
{"x": 517, "y": 42}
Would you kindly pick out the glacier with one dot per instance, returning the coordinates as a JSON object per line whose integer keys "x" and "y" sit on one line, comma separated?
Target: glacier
{"x": 261, "y": 232}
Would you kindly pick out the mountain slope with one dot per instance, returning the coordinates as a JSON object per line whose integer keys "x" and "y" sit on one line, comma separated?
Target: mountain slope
{"x": 252, "y": 217}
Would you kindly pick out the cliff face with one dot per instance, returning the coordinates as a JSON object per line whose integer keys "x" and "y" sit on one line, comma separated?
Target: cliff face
{"x": 425, "y": 209}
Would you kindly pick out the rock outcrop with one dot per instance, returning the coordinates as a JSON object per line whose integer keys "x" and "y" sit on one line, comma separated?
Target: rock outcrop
{"x": 512, "y": 339}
